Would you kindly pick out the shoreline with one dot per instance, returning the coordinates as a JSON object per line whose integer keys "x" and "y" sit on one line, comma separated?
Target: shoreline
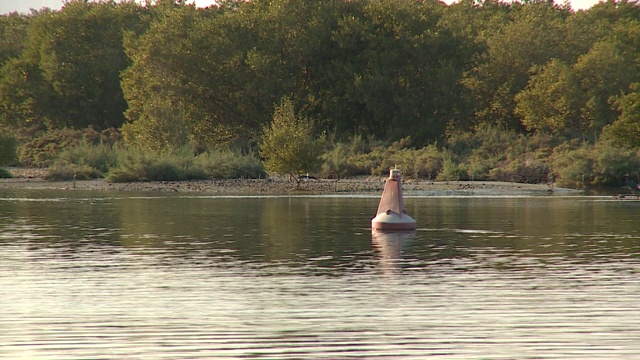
{"x": 33, "y": 179}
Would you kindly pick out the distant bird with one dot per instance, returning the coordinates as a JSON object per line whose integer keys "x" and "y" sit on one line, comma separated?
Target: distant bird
{"x": 631, "y": 184}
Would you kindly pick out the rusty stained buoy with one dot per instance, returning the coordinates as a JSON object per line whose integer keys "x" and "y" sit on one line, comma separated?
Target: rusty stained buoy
{"x": 391, "y": 214}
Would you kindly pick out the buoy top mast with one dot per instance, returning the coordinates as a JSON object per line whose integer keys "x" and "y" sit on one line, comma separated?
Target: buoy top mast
{"x": 395, "y": 174}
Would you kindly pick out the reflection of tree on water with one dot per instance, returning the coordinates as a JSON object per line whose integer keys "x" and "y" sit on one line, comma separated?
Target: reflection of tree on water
{"x": 390, "y": 245}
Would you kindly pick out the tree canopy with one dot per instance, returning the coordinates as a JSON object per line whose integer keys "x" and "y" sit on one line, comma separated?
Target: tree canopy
{"x": 167, "y": 73}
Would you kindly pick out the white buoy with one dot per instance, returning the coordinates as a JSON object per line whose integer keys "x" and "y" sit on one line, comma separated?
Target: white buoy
{"x": 391, "y": 214}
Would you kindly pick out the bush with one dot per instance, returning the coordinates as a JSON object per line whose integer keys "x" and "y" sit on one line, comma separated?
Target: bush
{"x": 144, "y": 165}
{"x": 611, "y": 162}
{"x": 451, "y": 169}
{"x": 585, "y": 165}
{"x": 41, "y": 148}
{"x": 72, "y": 172}
{"x": 5, "y": 173}
{"x": 135, "y": 164}
{"x": 339, "y": 160}
{"x": 101, "y": 157}
{"x": 571, "y": 165}
{"x": 8, "y": 149}
{"x": 227, "y": 164}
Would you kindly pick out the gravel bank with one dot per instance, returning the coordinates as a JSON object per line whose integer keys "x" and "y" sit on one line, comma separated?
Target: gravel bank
{"x": 33, "y": 179}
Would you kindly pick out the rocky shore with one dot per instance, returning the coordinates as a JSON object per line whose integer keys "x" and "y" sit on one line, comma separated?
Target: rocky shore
{"x": 33, "y": 179}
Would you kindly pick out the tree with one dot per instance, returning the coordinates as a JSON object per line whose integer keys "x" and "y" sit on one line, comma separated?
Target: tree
{"x": 625, "y": 131}
{"x": 288, "y": 144}
{"x": 551, "y": 101}
{"x": 536, "y": 35}
{"x": 69, "y": 72}
{"x": 13, "y": 35}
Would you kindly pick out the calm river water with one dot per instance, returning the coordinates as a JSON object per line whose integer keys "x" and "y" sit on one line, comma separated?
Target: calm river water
{"x": 91, "y": 275}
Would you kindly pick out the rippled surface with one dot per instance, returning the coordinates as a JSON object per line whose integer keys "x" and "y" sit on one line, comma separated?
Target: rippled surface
{"x": 91, "y": 275}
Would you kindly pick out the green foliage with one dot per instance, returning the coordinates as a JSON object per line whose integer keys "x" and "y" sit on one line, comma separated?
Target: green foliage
{"x": 84, "y": 161}
{"x": 8, "y": 149}
{"x": 40, "y": 148}
{"x": 625, "y": 131}
{"x": 337, "y": 162}
{"x": 288, "y": 144}
{"x": 144, "y": 165}
{"x": 67, "y": 171}
{"x": 135, "y": 164}
{"x": 13, "y": 36}
{"x": 602, "y": 164}
{"x": 227, "y": 164}
{"x": 498, "y": 84}
{"x": 451, "y": 168}
{"x": 611, "y": 162}
{"x": 69, "y": 72}
{"x": 5, "y": 173}
{"x": 535, "y": 34}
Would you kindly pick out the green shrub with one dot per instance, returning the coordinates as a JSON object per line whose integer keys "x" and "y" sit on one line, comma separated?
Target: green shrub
{"x": 41, "y": 148}
{"x": 611, "y": 162}
{"x": 572, "y": 166}
{"x": 227, "y": 164}
{"x": 585, "y": 165}
{"x": 5, "y": 173}
{"x": 143, "y": 165}
{"x": 451, "y": 168}
{"x": 100, "y": 157}
{"x": 71, "y": 172}
{"x": 135, "y": 164}
{"x": 8, "y": 149}
{"x": 426, "y": 162}
{"x": 339, "y": 160}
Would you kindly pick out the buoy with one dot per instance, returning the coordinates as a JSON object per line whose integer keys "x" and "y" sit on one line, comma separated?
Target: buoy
{"x": 391, "y": 214}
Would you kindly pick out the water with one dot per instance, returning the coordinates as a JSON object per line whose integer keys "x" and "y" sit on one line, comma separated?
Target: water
{"x": 90, "y": 275}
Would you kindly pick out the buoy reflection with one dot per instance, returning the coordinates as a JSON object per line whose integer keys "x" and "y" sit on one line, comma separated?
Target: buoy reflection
{"x": 391, "y": 245}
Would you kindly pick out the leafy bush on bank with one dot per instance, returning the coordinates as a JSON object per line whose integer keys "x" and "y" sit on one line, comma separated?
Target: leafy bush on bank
{"x": 487, "y": 154}
{"x": 39, "y": 148}
{"x": 491, "y": 154}
{"x": 182, "y": 164}
{"x": 602, "y": 164}
{"x": 83, "y": 161}
{"x": 8, "y": 149}
{"x": 5, "y": 173}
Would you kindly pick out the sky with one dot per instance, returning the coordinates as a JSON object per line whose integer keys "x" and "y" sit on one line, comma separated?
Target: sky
{"x": 24, "y": 6}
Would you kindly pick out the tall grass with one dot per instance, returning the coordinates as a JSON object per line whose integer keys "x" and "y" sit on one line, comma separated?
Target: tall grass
{"x": 182, "y": 164}
{"x": 130, "y": 164}
{"x": 228, "y": 164}
{"x": 83, "y": 161}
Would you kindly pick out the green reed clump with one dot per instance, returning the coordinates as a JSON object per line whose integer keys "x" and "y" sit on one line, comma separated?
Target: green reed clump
{"x": 67, "y": 171}
{"x": 373, "y": 157}
{"x": 347, "y": 158}
{"x": 183, "y": 164}
{"x": 586, "y": 165}
{"x": 230, "y": 164}
{"x": 82, "y": 161}
{"x": 40, "y": 148}
{"x": 135, "y": 164}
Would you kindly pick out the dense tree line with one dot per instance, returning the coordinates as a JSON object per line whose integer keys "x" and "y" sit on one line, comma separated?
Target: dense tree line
{"x": 166, "y": 73}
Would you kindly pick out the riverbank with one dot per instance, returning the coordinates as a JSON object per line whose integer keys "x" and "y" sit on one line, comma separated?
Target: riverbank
{"x": 33, "y": 179}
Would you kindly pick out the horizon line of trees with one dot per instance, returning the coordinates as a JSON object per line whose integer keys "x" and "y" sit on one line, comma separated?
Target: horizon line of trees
{"x": 167, "y": 74}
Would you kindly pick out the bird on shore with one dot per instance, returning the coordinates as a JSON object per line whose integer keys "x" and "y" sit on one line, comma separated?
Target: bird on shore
{"x": 631, "y": 184}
